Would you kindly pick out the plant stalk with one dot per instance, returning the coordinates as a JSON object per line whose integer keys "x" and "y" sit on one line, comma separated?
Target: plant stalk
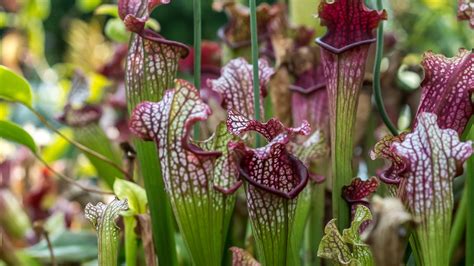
{"x": 130, "y": 240}
{"x": 316, "y": 222}
{"x": 460, "y": 220}
{"x": 197, "y": 51}
{"x": 459, "y": 225}
{"x": 469, "y": 191}
{"x": 342, "y": 147}
{"x": 376, "y": 82}
{"x": 158, "y": 202}
{"x": 256, "y": 83}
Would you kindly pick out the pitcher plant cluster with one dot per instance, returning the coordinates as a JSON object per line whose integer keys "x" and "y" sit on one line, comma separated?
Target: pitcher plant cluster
{"x": 255, "y": 161}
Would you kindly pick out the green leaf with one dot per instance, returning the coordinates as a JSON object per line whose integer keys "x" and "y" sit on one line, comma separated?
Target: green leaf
{"x": 107, "y": 9}
{"x": 135, "y": 195}
{"x": 4, "y": 111}
{"x": 115, "y": 30}
{"x": 153, "y": 24}
{"x": 87, "y": 5}
{"x": 13, "y": 132}
{"x": 58, "y": 148}
{"x": 68, "y": 247}
{"x": 14, "y": 87}
{"x": 94, "y": 137}
{"x": 347, "y": 249}
{"x": 130, "y": 239}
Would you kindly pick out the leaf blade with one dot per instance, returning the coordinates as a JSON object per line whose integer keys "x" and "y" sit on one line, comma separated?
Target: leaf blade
{"x": 14, "y": 87}
{"x": 12, "y": 132}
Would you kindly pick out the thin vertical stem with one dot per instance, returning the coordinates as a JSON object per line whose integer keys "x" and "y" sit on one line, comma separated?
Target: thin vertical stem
{"x": 130, "y": 241}
{"x": 158, "y": 202}
{"x": 256, "y": 83}
{"x": 376, "y": 82}
{"x": 197, "y": 43}
{"x": 459, "y": 225}
{"x": 469, "y": 191}
{"x": 197, "y": 51}
{"x": 460, "y": 220}
{"x": 316, "y": 222}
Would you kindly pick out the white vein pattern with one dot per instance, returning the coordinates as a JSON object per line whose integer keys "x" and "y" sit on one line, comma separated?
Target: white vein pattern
{"x": 189, "y": 172}
{"x": 434, "y": 157}
{"x": 275, "y": 178}
{"x": 103, "y": 217}
{"x": 447, "y": 88}
{"x": 236, "y": 85}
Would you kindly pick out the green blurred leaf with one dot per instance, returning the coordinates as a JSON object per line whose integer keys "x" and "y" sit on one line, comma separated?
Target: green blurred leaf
{"x": 4, "y": 111}
{"x": 14, "y": 88}
{"x": 153, "y": 24}
{"x": 37, "y": 9}
{"x": 407, "y": 79}
{"x": 58, "y": 148}
{"x": 135, "y": 195}
{"x": 95, "y": 138}
{"x": 87, "y": 5}
{"x": 116, "y": 31}
{"x": 13, "y": 132}
{"x": 68, "y": 248}
{"x": 98, "y": 86}
{"x": 107, "y": 9}
{"x": 13, "y": 218}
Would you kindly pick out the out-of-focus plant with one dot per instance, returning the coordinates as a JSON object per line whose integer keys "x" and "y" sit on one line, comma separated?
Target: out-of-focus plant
{"x": 29, "y": 16}
{"x": 16, "y": 89}
{"x": 390, "y": 230}
{"x": 84, "y": 120}
{"x": 236, "y": 34}
{"x": 466, "y": 11}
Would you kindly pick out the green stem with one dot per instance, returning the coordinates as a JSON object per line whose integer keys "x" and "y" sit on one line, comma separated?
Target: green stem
{"x": 130, "y": 240}
{"x": 458, "y": 225}
{"x": 342, "y": 148}
{"x": 197, "y": 51}
{"x": 256, "y": 83}
{"x": 469, "y": 191}
{"x": 159, "y": 205}
{"x": 197, "y": 43}
{"x": 460, "y": 219}
{"x": 316, "y": 223}
{"x": 376, "y": 82}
